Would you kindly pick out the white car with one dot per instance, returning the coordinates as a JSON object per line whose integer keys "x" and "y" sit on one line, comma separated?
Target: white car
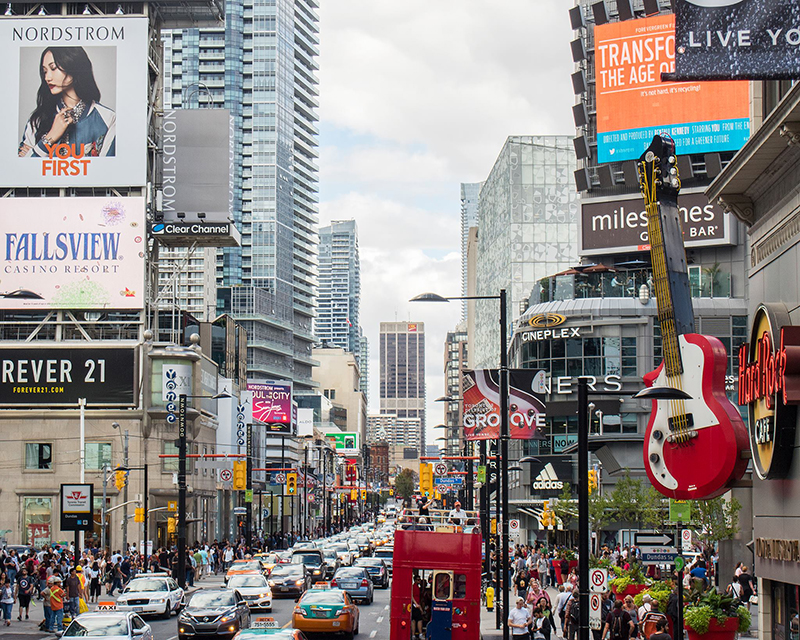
{"x": 109, "y": 624}
{"x": 254, "y": 589}
{"x": 151, "y": 593}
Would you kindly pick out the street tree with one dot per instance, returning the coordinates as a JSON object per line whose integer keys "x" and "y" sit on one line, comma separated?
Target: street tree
{"x": 405, "y": 483}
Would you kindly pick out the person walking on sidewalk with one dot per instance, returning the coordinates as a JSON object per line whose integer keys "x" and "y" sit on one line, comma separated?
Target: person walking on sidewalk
{"x": 47, "y": 623}
{"x": 6, "y": 599}
{"x": 24, "y": 592}
{"x": 57, "y": 596}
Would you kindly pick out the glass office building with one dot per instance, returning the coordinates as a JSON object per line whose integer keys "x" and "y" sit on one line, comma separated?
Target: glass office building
{"x": 527, "y": 229}
{"x": 262, "y": 67}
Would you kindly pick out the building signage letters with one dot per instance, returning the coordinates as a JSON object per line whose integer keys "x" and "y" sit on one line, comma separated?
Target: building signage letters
{"x": 775, "y": 549}
{"x": 551, "y": 334}
{"x": 769, "y": 385}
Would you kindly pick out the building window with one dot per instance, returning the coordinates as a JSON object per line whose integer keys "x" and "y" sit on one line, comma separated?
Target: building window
{"x": 169, "y": 465}
{"x": 38, "y": 456}
{"x": 98, "y": 455}
{"x": 36, "y": 520}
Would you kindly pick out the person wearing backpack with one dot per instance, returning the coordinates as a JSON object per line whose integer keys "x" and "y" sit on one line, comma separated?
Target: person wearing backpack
{"x": 573, "y": 611}
{"x": 734, "y": 588}
{"x": 619, "y": 625}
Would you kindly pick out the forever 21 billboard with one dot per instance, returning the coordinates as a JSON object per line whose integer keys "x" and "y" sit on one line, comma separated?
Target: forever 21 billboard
{"x": 54, "y": 376}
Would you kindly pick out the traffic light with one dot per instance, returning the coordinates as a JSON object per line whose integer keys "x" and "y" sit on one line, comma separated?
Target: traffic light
{"x": 425, "y": 479}
{"x": 592, "y": 480}
{"x": 138, "y": 515}
{"x": 363, "y": 494}
{"x": 291, "y": 483}
{"x": 239, "y": 475}
{"x": 353, "y": 495}
{"x": 120, "y": 479}
{"x": 391, "y": 491}
{"x": 344, "y": 497}
{"x": 171, "y": 528}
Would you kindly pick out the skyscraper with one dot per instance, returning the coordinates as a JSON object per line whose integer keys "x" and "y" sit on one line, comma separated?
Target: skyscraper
{"x": 339, "y": 287}
{"x": 402, "y": 379}
{"x": 455, "y": 359}
{"x": 470, "y": 192}
{"x": 527, "y": 229}
{"x": 261, "y": 66}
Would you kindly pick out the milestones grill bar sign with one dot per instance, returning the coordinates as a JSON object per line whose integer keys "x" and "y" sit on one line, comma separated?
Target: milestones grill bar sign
{"x": 769, "y": 385}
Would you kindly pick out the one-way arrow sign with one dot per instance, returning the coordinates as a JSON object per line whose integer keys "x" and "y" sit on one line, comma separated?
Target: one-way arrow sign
{"x": 653, "y": 539}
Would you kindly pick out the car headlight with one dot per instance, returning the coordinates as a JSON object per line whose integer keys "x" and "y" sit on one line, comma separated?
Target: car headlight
{"x": 158, "y": 601}
{"x": 317, "y": 571}
{"x": 264, "y": 595}
{"x": 271, "y": 583}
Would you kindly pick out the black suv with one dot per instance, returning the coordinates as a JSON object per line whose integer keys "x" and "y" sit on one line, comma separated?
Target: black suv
{"x": 215, "y": 613}
{"x": 314, "y": 562}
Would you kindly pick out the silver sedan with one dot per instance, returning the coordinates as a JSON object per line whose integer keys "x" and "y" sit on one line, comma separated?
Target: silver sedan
{"x": 122, "y": 625}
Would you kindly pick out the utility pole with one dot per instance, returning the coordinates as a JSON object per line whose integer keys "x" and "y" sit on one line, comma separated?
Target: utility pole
{"x": 248, "y": 527}
{"x": 125, "y": 496}
{"x": 182, "y": 490}
{"x": 103, "y": 524}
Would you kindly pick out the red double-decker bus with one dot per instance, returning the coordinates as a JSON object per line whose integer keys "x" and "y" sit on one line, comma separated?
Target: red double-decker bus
{"x": 437, "y": 566}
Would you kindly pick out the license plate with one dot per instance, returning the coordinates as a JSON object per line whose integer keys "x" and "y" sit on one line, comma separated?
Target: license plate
{"x": 336, "y": 623}
{"x": 138, "y": 609}
{"x": 284, "y": 588}
{"x": 350, "y": 585}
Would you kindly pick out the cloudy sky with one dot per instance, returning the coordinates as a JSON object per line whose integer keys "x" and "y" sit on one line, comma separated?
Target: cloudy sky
{"x": 415, "y": 98}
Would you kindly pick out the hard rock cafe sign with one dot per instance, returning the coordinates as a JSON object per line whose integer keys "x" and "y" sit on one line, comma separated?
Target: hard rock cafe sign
{"x": 769, "y": 385}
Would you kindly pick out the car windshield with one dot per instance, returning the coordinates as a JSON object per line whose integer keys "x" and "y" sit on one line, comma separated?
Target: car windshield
{"x": 250, "y": 565}
{"x": 362, "y": 540}
{"x": 211, "y": 600}
{"x": 349, "y": 572}
{"x": 98, "y": 627}
{"x": 384, "y": 553}
{"x": 146, "y": 584}
{"x": 287, "y": 571}
{"x": 305, "y": 558}
{"x": 237, "y": 582}
{"x": 369, "y": 562}
{"x": 323, "y": 596}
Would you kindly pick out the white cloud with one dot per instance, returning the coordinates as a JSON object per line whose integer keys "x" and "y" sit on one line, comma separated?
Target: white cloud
{"x": 416, "y": 97}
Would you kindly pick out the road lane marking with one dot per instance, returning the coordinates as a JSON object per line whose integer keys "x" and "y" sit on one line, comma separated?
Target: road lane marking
{"x": 379, "y": 620}
{"x": 373, "y": 633}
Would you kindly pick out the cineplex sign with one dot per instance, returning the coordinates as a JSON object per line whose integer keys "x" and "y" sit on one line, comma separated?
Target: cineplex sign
{"x": 621, "y": 224}
{"x": 769, "y": 385}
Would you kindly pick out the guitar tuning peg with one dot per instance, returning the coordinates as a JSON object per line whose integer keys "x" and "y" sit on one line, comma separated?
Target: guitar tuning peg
{"x": 649, "y": 156}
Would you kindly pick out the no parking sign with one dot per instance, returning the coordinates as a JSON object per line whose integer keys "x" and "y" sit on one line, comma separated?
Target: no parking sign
{"x": 595, "y": 615}
{"x": 598, "y": 580}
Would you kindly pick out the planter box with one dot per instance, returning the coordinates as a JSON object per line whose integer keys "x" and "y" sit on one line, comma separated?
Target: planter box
{"x": 715, "y": 631}
{"x": 630, "y": 590}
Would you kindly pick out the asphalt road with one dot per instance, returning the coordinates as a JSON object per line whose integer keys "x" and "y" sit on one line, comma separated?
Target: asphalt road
{"x": 373, "y": 622}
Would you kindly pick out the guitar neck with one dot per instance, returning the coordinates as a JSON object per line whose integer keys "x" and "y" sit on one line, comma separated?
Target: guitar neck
{"x": 670, "y": 277}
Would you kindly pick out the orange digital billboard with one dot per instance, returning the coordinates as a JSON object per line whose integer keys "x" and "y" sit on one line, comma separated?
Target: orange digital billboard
{"x": 633, "y": 104}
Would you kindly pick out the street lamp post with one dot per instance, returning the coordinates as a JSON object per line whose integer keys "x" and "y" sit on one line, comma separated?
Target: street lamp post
{"x": 182, "y": 482}
{"x": 502, "y": 488}
{"x": 584, "y": 534}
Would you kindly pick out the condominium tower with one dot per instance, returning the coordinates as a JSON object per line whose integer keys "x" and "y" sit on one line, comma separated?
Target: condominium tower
{"x": 337, "y": 319}
{"x": 261, "y": 66}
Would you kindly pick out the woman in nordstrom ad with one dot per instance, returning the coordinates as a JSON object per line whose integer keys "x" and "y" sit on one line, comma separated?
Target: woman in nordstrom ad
{"x": 68, "y": 109}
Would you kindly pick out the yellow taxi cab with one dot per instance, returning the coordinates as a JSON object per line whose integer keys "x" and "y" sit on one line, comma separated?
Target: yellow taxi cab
{"x": 240, "y": 567}
{"x": 268, "y": 629}
{"x": 381, "y": 519}
{"x": 268, "y": 561}
{"x": 326, "y": 610}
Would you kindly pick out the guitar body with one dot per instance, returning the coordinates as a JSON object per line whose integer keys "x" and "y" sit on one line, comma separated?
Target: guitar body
{"x": 693, "y": 448}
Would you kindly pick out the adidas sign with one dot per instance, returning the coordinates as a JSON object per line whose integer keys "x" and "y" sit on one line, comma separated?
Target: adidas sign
{"x": 547, "y": 479}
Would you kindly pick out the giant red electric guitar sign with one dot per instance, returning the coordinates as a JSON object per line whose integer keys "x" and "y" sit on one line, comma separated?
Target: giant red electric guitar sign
{"x": 692, "y": 448}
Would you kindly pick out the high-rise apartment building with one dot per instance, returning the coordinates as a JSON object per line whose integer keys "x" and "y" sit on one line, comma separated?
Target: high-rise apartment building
{"x": 336, "y": 324}
{"x": 398, "y": 432}
{"x": 261, "y": 66}
{"x": 363, "y": 363}
{"x": 470, "y": 192}
{"x": 527, "y": 229}
{"x": 455, "y": 359}
{"x": 402, "y": 379}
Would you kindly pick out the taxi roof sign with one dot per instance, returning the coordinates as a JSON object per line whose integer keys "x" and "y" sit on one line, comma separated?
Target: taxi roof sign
{"x": 107, "y": 606}
{"x": 322, "y": 585}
